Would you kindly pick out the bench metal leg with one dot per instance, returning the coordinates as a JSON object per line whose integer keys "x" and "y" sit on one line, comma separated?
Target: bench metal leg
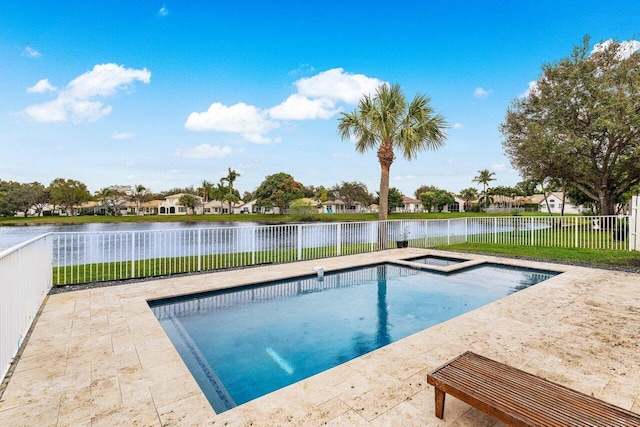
{"x": 440, "y": 395}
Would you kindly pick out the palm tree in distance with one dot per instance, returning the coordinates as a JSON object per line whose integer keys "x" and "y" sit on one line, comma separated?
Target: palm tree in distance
{"x": 230, "y": 178}
{"x": 484, "y": 177}
{"x": 139, "y": 195}
{"x": 386, "y": 122}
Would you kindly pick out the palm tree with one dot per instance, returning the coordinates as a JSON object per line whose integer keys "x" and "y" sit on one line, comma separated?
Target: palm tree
{"x": 484, "y": 177}
{"x": 206, "y": 190}
{"x": 386, "y": 122}
{"x": 468, "y": 194}
{"x": 139, "y": 195}
{"x": 230, "y": 178}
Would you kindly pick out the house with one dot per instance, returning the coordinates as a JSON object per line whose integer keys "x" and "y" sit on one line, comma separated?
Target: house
{"x": 152, "y": 207}
{"x": 338, "y": 206}
{"x": 220, "y": 207}
{"x": 252, "y": 207}
{"x": 555, "y": 203}
{"x": 410, "y": 205}
{"x": 457, "y": 206}
{"x": 171, "y": 205}
{"x": 245, "y": 207}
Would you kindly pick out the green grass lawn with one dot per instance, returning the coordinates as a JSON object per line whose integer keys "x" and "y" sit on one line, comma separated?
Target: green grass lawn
{"x": 591, "y": 257}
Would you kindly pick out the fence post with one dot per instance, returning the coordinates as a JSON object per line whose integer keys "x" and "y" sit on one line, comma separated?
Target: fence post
{"x": 372, "y": 235}
{"x": 199, "y": 249}
{"x": 495, "y": 230}
{"x": 634, "y": 227}
{"x": 466, "y": 230}
{"x": 339, "y": 239}
{"x": 575, "y": 229}
{"x": 133, "y": 254}
{"x": 426, "y": 233}
{"x": 253, "y": 246}
{"x": 448, "y": 232}
{"x": 299, "y": 242}
{"x": 532, "y": 232}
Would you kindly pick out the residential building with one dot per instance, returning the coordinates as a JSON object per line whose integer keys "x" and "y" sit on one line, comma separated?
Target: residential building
{"x": 172, "y": 206}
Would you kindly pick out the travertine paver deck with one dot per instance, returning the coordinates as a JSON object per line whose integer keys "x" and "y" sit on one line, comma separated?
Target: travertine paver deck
{"x": 99, "y": 357}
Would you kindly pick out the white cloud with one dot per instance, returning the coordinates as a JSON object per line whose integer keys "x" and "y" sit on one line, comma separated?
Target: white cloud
{"x": 30, "y": 52}
{"x": 41, "y": 87}
{"x": 481, "y": 93}
{"x": 163, "y": 11}
{"x": 533, "y": 88}
{"x": 299, "y": 107}
{"x": 247, "y": 120}
{"x": 625, "y": 49}
{"x": 130, "y": 163}
{"x": 204, "y": 151}
{"x": 451, "y": 160}
{"x": 302, "y": 69}
{"x": 402, "y": 178}
{"x": 499, "y": 167}
{"x": 337, "y": 85}
{"x": 338, "y": 155}
{"x": 458, "y": 126}
{"x": 76, "y": 101}
{"x": 122, "y": 135}
{"x": 131, "y": 177}
{"x": 104, "y": 80}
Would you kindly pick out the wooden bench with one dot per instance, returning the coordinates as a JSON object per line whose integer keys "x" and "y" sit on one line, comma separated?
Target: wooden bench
{"x": 519, "y": 398}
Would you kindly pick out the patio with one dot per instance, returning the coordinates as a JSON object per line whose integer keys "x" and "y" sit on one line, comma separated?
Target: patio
{"x": 99, "y": 357}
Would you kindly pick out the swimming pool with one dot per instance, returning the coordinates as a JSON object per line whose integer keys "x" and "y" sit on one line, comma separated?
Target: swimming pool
{"x": 441, "y": 261}
{"x": 243, "y": 343}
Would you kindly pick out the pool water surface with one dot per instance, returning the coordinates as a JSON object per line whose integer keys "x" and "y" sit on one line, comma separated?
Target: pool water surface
{"x": 246, "y": 342}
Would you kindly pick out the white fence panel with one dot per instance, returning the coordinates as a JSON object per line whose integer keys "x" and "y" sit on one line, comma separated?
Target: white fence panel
{"x": 83, "y": 257}
{"x": 25, "y": 280}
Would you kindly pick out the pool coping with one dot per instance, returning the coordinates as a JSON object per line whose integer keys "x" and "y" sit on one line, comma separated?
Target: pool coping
{"x": 108, "y": 361}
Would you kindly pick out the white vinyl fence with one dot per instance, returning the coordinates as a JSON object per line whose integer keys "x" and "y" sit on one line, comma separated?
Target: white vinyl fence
{"x": 25, "y": 280}
{"x": 90, "y": 257}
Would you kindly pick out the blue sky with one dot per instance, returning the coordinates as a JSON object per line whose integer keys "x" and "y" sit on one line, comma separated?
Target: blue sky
{"x": 167, "y": 94}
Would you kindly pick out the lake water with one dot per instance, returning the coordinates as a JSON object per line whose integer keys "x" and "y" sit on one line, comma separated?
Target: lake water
{"x": 11, "y": 236}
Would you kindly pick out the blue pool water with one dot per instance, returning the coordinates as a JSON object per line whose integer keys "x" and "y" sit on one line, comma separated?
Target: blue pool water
{"x": 241, "y": 344}
{"x": 440, "y": 261}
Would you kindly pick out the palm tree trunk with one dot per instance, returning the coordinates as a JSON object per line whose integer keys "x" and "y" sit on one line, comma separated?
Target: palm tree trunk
{"x": 385, "y": 157}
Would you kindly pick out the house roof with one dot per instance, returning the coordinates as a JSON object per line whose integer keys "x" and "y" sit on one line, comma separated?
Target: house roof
{"x": 407, "y": 200}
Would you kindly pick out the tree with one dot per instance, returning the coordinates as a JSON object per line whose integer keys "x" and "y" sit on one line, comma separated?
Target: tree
{"x": 230, "y": 179}
{"x": 188, "y": 201}
{"x": 394, "y": 200}
{"x": 527, "y": 187}
{"x": 278, "y": 190}
{"x": 206, "y": 190}
{"x": 68, "y": 193}
{"x": 17, "y": 197}
{"x": 351, "y": 192}
{"x": 386, "y": 122}
{"x": 424, "y": 189}
{"x": 581, "y": 123}
{"x": 468, "y": 194}
{"x": 438, "y": 198}
{"x": 139, "y": 195}
{"x": 484, "y": 177}
{"x": 114, "y": 198}
{"x": 501, "y": 190}
{"x": 247, "y": 196}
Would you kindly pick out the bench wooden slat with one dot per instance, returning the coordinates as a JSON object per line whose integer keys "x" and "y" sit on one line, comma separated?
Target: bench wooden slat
{"x": 520, "y": 398}
{"x": 549, "y": 392}
{"x": 546, "y": 392}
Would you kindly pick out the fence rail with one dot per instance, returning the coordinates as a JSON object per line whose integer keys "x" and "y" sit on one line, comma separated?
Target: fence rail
{"x": 25, "y": 280}
{"x": 90, "y": 257}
